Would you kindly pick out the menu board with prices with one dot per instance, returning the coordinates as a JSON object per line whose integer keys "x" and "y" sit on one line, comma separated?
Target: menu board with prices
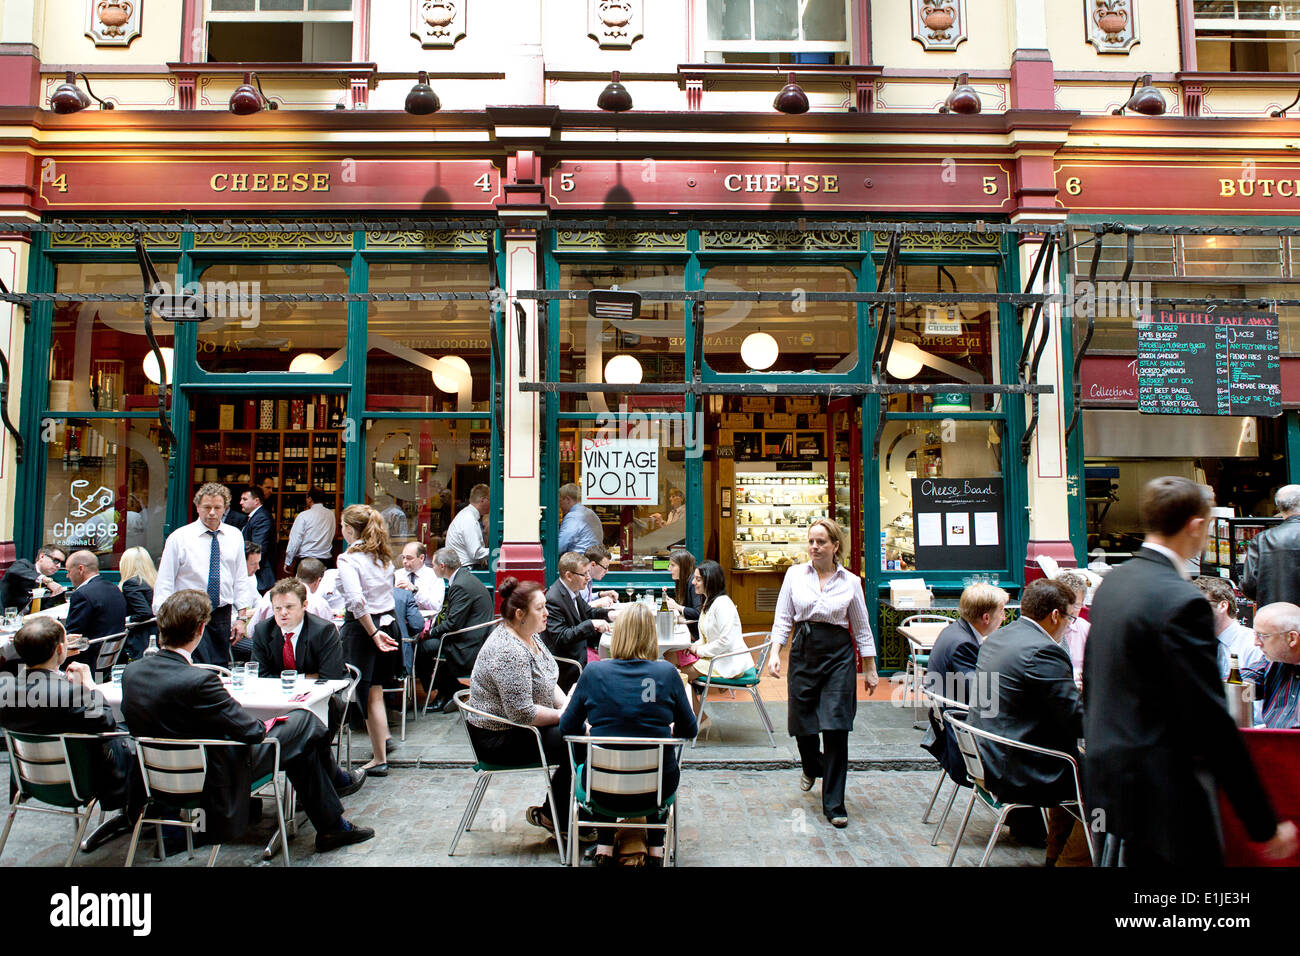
{"x": 1223, "y": 362}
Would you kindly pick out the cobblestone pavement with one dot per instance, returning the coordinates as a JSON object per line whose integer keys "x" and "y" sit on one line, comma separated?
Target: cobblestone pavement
{"x": 728, "y": 818}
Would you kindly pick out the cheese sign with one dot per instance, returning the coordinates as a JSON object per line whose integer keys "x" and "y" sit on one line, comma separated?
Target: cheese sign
{"x": 620, "y": 471}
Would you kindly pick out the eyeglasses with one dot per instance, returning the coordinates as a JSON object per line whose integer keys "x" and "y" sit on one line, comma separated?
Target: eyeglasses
{"x": 1262, "y": 635}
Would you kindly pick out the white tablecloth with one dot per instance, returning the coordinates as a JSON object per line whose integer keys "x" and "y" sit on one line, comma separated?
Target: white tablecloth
{"x": 680, "y": 640}
{"x": 262, "y": 697}
{"x": 7, "y": 651}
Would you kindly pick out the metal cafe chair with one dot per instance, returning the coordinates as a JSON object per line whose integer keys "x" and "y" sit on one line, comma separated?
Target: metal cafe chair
{"x": 630, "y": 769}
{"x": 54, "y": 770}
{"x": 749, "y": 681}
{"x": 174, "y": 771}
{"x": 346, "y": 697}
{"x": 485, "y": 771}
{"x": 215, "y": 668}
{"x": 107, "y": 649}
{"x": 940, "y": 705}
{"x": 918, "y": 656}
{"x": 437, "y": 661}
{"x": 967, "y": 740}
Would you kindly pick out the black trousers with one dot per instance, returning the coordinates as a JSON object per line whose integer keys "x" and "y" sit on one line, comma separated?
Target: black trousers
{"x": 517, "y": 746}
{"x": 830, "y": 762}
{"x": 215, "y": 646}
{"x": 307, "y": 761}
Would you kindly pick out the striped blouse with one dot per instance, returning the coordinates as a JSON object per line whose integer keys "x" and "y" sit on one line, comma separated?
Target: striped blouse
{"x": 840, "y": 602}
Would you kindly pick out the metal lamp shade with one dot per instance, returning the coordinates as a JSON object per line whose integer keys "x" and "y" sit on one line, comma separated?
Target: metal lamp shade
{"x": 422, "y": 100}
{"x": 963, "y": 98}
{"x": 68, "y": 97}
{"x": 614, "y": 98}
{"x": 791, "y": 99}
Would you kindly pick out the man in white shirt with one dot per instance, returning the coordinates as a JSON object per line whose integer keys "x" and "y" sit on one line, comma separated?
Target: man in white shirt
{"x": 312, "y": 534}
{"x": 418, "y": 578}
{"x": 1233, "y": 637}
{"x": 310, "y": 573}
{"x": 466, "y": 532}
{"x": 208, "y": 556}
{"x": 328, "y": 588}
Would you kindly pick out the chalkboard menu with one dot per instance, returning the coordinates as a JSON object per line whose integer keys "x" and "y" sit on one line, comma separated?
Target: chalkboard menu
{"x": 1209, "y": 363}
{"x": 958, "y": 524}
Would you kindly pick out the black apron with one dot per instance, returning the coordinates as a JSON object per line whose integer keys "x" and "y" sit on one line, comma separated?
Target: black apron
{"x": 823, "y": 669}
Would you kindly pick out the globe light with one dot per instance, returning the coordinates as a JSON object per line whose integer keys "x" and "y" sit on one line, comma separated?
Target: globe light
{"x": 759, "y": 350}
{"x": 150, "y": 366}
{"x": 904, "y": 361}
{"x": 623, "y": 370}
{"x": 306, "y": 363}
{"x": 452, "y": 383}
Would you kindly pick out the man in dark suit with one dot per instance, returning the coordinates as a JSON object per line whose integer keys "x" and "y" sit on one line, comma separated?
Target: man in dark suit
{"x": 315, "y": 648}
{"x": 466, "y": 603}
{"x": 951, "y": 669}
{"x": 50, "y": 702}
{"x": 260, "y": 531}
{"x": 96, "y": 608}
{"x": 25, "y": 576}
{"x": 571, "y": 624}
{"x": 1160, "y": 737}
{"x": 164, "y": 696}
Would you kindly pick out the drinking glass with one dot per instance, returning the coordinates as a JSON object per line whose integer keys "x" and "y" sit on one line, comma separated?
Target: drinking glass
{"x": 11, "y": 616}
{"x": 77, "y": 643}
{"x": 287, "y": 681}
{"x": 237, "y": 676}
{"x": 994, "y": 579}
{"x": 117, "y": 672}
{"x": 250, "y": 671}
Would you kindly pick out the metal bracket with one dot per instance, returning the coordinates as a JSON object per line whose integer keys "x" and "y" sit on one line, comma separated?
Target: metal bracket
{"x": 498, "y": 351}
{"x": 1026, "y": 375}
{"x": 4, "y": 398}
{"x": 885, "y": 332}
{"x": 150, "y": 297}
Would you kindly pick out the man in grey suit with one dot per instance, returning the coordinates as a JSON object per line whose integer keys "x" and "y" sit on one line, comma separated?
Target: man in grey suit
{"x": 1024, "y": 689}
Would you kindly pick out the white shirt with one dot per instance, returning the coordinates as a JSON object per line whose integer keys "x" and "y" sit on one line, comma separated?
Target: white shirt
{"x": 430, "y": 593}
{"x": 720, "y": 633}
{"x": 184, "y": 564}
{"x": 1238, "y": 639}
{"x": 312, "y": 535}
{"x": 840, "y": 603}
{"x": 366, "y": 585}
{"x": 465, "y": 535}
{"x": 315, "y": 605}
{"x": 329, "y": 590}
{"x": 1178, "y": 561}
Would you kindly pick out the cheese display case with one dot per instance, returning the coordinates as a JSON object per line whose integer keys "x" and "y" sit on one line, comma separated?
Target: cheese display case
{"x": 772, "y": 513}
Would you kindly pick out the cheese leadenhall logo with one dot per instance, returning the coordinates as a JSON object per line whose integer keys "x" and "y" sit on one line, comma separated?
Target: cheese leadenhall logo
{"x": 78, "y": 910}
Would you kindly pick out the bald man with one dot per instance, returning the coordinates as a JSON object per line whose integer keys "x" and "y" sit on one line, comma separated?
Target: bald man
{"x": 96, "y": 608}
{"x": 1272, "y": 567}
{"x": 1277, "y": 634}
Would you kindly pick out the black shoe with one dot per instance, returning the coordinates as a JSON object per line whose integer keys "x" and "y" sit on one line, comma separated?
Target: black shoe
{"x": 356, "y": 779}
{"x": 337, "y": 838}
{"x": 111, "y": 829}
{"x": 391, "y": 745}
{"x": 448, "y": 707}
{"x": 654, "y": 861}
{"x": 603, "y": 860}
{"x": 838, "y": 820}
{"x": 378, "y": 770}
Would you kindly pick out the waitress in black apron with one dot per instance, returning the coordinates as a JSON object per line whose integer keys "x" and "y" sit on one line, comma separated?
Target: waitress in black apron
{"x": 821, "y": 604}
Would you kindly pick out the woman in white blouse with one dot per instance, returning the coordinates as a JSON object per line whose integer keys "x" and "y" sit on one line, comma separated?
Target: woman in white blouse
{"x": 365, "y": 578}
{"x": 720, "y": 630}
{"x": 822, "y": 604}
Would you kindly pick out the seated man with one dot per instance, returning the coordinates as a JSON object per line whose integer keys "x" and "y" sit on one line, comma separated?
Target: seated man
{"x": 242, "y": 649}
{"x": 1232, "y": 636}
{"x": 310, "y": 571}
{"x": 1277, "y": 634}
{"x": 164, "y": 696}
{"x": 23, "y": 577}
{"x": 1025, "y": 690}
{"x": 417, "y": 578}
{"x": 96, "y": 608}
{"x": 951, "y": 670}
{"x": 571, "y": 625}
{"x": 45, "y": 701}
{"x": 599, "y": 557}
{"x": 467, "y": 602}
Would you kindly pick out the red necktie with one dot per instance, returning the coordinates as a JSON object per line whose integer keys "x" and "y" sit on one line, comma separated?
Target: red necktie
{"x": 289, "y": 665}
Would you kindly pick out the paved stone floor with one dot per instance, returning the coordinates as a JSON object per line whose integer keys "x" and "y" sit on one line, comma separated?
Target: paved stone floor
{"x": 728, "y": 818}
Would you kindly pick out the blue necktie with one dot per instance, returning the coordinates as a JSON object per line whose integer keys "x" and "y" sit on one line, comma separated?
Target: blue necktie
{"x": 214, "y": 571}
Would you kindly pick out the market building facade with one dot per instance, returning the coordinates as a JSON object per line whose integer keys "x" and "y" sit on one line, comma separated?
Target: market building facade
{"x": 989, "y": 429}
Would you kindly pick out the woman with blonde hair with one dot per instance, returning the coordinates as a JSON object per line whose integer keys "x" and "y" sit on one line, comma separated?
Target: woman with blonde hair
{"x": 365, "y": 579}
{"x": 138, "y": 578}
{"x": 822, "y": 605}
{"x": 633, "y": 694}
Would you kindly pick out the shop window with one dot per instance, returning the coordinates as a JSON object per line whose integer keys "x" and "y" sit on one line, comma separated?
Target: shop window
{"x": 1242, "y": 256}
{"x": 650, "y": 348}
{"x": 419, "y": 474}
{"x": 1153, "y": 255}
{"x": 777, "y": 31}
{"x": 641, "y": 534}
{"x": 947, "y": 342}
{"x": 105, "y": 487}
{"x": 739, "y": 337}
{"x": 428, "y": 356}
{"x": 1247, "y": 36}
{"x": 279, "y": 31}
{"x": 931, "y": 448}
{"x": 246, "y": 334}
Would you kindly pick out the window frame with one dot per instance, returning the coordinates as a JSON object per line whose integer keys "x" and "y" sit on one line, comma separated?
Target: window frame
{"x": 708, "y": 45}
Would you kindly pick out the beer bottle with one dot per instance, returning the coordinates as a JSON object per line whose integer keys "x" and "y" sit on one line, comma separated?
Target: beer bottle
{"x": 1234, "y": 674}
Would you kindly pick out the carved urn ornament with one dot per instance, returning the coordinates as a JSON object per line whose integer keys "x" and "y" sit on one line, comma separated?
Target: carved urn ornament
{"x": 614, "y": 24}
{"x": 1110, "y": 25}
{"x": 615, "y": 14}
{"x": 113, "y": 22}
{"x": 438, "y": 23}
{"x": 939, "y": 24}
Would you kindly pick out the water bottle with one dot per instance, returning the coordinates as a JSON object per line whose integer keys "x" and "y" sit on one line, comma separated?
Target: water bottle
{"x": 153, "y": 646}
